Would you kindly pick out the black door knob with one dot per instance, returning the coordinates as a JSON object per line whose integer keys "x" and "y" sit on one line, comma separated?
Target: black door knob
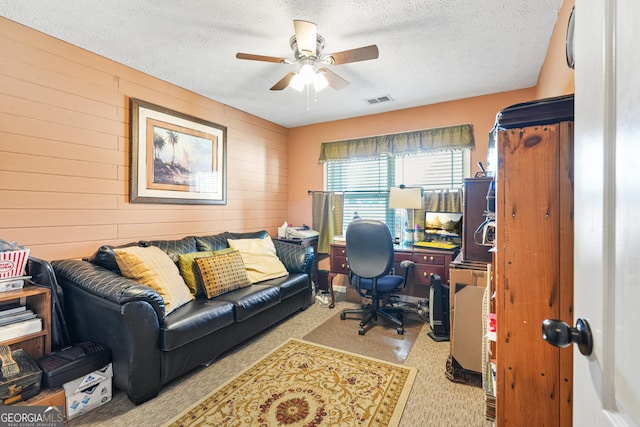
{"x": 559, "y": 334}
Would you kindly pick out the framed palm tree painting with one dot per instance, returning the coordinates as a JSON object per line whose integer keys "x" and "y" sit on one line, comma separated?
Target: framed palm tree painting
{"x": 176, "y": 158}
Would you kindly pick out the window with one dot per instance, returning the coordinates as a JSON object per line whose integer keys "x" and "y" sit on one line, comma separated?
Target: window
{"x": 366, "y": 183}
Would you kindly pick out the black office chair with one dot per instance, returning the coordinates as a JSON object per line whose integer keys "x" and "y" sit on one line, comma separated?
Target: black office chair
{"x": 370, "y": 257}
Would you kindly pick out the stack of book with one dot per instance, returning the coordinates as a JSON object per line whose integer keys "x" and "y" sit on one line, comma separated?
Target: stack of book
{"x": 16, "y": 321}
{"x": 12, "y": 283}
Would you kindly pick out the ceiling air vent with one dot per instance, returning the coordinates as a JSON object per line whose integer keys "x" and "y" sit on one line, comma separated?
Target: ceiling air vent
{"x": 378, "y": 100}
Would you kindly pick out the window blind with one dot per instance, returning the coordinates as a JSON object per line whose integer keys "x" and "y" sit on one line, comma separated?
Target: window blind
{"x": 366, "y": 183}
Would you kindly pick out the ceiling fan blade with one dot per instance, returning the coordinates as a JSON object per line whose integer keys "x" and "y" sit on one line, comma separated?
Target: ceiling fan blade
{"x": 354, "y": 55}
{"x": 284, "y": 82}
{"x": 252, "y": 57}
{"x": 335, "y": 81}
{"x": 306, "y": 34}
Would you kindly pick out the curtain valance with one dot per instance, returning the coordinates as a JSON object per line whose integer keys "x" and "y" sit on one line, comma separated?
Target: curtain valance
{"x": 399, "y": 144}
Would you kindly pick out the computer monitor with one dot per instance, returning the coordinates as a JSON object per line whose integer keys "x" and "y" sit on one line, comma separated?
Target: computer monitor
{"x": 443, "y": 226}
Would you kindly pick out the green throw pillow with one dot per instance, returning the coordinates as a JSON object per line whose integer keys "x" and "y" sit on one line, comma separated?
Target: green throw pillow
{"x": 187, "y": 266}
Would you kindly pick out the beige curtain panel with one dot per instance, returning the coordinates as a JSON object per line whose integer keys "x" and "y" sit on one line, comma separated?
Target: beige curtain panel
{"x": 443, "y": 201}
{"x": 399, "y": 144}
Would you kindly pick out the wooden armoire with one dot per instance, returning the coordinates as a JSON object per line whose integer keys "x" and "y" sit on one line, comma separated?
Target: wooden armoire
{"x": 533, "y": 266}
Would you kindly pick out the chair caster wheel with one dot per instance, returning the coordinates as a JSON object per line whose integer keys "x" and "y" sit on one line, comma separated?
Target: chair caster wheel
{"x": 400, "y": 331}
{"x": 343, "y": 316}
{"x": 361, "y": 331}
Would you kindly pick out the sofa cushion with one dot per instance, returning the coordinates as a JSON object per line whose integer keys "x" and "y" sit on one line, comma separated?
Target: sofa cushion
{"x": 260, "y": 259}
{"x": 105, "y": 257}
{"x": 152, "y": 267}
{"x": 289, "y": 285}
{"x": 222, "y": 272}
{"x": 212, "y": 243}
{"x": 173, "y": 248}
{"x": 193, "y": 321}
{"x": 252, "y": 300}
{"x": 216, "y": 242}
{"x": 248, "y": 235}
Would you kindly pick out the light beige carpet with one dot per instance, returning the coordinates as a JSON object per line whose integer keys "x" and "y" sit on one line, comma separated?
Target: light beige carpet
{"x": 434, "y": 401}
{"x": 306, "y": 384}
{"x": 380, "y": 341}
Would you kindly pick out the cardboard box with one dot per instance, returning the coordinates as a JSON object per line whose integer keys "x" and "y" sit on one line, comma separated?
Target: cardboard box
{"x": 466, "y": 298}
{"x": 13, "y": 262}
{"x": 468, "y": 277}
{"x": 467, "y": 328}
{"x": 88, "y": 392}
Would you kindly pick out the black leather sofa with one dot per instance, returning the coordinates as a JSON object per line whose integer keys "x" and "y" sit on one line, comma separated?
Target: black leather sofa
{"x": 150, "y": 348}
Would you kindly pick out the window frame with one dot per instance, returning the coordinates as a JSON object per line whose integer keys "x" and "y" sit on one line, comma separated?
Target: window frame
{"x": 390, "y": 214}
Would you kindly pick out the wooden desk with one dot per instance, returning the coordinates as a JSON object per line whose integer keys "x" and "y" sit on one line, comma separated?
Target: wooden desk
{"x": 427, "y": 262}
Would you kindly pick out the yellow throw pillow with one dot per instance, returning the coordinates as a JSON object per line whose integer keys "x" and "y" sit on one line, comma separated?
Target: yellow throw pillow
{"x": 260, "y": 259}
{"x": 152, "y": 267}
{"x": 188, "y": 267}
{"x": 222, "y": 272}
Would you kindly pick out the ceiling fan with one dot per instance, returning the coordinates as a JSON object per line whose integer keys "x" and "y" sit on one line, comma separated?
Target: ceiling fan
{"x": 307, "y": 46}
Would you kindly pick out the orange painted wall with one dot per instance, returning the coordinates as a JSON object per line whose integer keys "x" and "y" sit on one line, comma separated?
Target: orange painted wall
{"x": 64, "y": 153}
{"x": 64, "y": 148}
{"x": 304, "y": 142}
{"x": 556, "y": 78}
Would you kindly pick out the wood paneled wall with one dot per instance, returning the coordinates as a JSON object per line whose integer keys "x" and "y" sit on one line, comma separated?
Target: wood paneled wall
{"x": 64, "y": 153}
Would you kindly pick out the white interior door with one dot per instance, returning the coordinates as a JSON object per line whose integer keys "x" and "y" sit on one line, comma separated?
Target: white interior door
{"x": 607, "y": 211}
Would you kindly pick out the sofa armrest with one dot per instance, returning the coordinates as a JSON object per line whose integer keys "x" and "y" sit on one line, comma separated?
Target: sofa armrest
{"x": 106, "y": 284}
{"x": 296, "y": 259}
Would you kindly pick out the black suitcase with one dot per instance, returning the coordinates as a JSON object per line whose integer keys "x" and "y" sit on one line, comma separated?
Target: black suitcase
{"x": 538, "y": 112}
{"x": 73, "y": 362}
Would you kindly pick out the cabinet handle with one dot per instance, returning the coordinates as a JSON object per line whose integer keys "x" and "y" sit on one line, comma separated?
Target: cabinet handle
{"x": 343, "y": 252}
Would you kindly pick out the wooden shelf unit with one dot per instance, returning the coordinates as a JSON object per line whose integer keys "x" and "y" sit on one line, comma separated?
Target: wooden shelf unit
{"x": 38, "y": 300}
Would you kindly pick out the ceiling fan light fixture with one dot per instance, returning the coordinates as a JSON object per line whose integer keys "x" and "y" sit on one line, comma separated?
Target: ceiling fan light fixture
{"x": 307, "y": 73}
{"x": 319, "y": 81}
{"x": 308, "y": 46}
{"x": 297, "y": 83}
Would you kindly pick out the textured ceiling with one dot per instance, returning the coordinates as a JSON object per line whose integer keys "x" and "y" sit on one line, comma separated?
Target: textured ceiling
{"x": 430, "y": 51}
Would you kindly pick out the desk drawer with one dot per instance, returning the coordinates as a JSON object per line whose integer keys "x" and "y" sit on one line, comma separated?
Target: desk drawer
{"x": 339, "y": 251}
{"x": 339, "y": 265}
{"x": 423, "y": 272}
{"x": 421, "y": 258}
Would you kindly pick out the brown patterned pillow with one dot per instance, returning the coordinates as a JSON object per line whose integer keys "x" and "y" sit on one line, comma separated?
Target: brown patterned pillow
{"x": 222, "y": 273}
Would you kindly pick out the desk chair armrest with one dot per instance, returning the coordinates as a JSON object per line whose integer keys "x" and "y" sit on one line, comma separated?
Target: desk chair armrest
{"x": 406, "y": 265}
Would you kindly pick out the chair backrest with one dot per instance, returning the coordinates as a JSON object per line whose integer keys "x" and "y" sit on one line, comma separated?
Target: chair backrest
{"x": 369, "y": 248}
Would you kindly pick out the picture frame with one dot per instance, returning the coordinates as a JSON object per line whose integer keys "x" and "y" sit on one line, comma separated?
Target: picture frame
{"x": 176, "y": 158}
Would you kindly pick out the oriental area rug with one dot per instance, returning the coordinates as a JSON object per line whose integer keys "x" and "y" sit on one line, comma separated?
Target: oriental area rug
{"x": 305, "y": 384}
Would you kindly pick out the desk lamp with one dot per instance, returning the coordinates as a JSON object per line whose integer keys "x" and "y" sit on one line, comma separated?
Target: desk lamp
{"x": 409, "y": 199}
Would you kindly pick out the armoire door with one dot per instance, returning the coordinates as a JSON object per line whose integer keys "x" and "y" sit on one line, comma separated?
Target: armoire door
{"x": 534, "y": 273}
